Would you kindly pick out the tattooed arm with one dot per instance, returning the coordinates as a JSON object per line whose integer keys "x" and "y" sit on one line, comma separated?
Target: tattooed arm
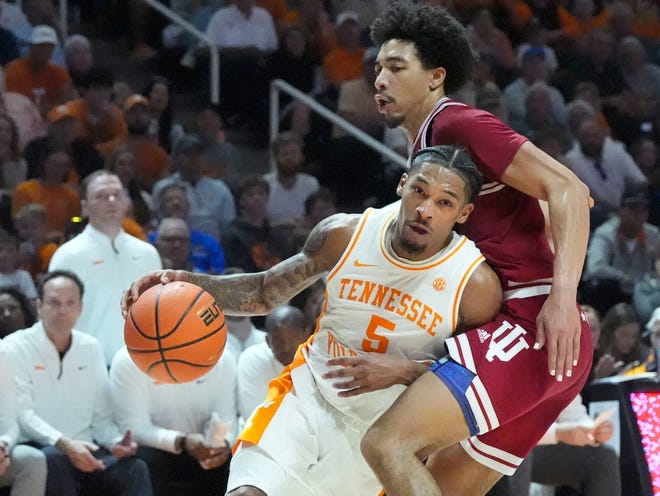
{"x": 259, "y": 293}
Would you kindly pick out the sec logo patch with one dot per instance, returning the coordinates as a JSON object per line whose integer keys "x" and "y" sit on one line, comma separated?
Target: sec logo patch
{"x": 439, "y": 284}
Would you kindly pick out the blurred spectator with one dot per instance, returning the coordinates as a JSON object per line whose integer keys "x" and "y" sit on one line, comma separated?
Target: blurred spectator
{"x": 486, "y": 38}
{"x": 620, "y": 338}
{"x": 644, "y": 152}
{"x": 50, "y": 189}
{"x": 572, "y": 453}
{"x": 63, "y": 132}
{"x": 482, "y": 81}
{"x": 162, "y": 126}
{"x": 121, "y": 161}
{"x": 250, "y": 243}
{"x": 211, "y": 203}
{"x": 366, "y": 11}
{"x": 344, "y": 62}
{"x": 173, "y": 243}
{"x": 14, "y": 169}
{"x": 70, "y": 365}
{"x": 294, "y": 63}
{"x": 588, "y": 92}
{"x": 533, "y": 69}
{"x": 206, "y": 254}
{"x": 99, "y": 120}
{"x": 185, "y": 444}
{"x": 552, "y": 141}
{"x": 36, "y": 248}
{"x": 319, "y": 31}
{"x": 245, "y": 35}
{"x": 538, "y": 113}
{"x": 356, "y": 100}
{"x": 79, "y": 60}
{"x": 36, "y": 77}
{"x": 536, "y": 40}
{"x": 492, "y": 100}
{"x": 38, "y": 13}
{"x": 310, "y": 302}
{"x": 622, "y": 250}
{"x": 646, "y": 291}
{"x": 105, "y": 258}
{"x": 222, "y": 159}
{"x": 121, "y": 90}
{"x": 261, "y": 363}
{"x": 318, "y": 206}
{"x": 197, "y": 12}
{"x": 10, "y": 273}
{"x": 151, "y": 159}
{"x": 603, "y": 164}
{"x": 289, "y": 188}
{"x": 641, "y": 77}
{"x": 23, "y": 112}
{"x": 578, "y": 22}
{"x": 21, "y": 467}
{"x": 16, "y": 311}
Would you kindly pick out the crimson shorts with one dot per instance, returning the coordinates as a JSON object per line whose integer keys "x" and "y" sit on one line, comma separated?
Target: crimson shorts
{"x": 503, "y": 386}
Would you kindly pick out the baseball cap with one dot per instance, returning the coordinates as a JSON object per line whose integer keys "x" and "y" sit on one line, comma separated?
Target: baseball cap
{"x": 135, "y": 99}
{"x": 634, "y": 196}
{"x": 43, "y": 34}
{"x": 58, "y": 113}
{"x": 346, "y": 15}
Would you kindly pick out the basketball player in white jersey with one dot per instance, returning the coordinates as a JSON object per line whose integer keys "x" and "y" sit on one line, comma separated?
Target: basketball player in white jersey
{"x": 399, "y": 282}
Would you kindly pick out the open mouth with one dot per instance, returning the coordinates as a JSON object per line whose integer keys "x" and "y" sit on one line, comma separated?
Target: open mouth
{"x": 382, "y": 101}
{"x": 418, "y": 229}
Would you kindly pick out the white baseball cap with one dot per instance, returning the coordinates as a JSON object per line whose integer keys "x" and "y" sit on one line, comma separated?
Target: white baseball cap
{"x": 43, "y": 34}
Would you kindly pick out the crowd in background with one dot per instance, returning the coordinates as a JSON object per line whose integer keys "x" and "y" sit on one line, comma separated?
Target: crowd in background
{"x": 101, "y": 180}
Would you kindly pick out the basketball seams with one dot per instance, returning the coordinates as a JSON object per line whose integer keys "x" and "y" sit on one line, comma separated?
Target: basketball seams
{"x": 184, "y": 315}
{"x": 181, "y": 345}
{"x": 158, "y": 337}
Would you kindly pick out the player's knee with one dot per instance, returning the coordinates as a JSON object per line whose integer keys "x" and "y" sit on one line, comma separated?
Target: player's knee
{"x": 246, "y": 491}
{"x": 375, "y": 445}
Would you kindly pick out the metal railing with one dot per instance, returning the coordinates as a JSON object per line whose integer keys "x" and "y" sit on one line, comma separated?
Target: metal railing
{"x": 214, "y": 77}
{"x": 278, "y": 85}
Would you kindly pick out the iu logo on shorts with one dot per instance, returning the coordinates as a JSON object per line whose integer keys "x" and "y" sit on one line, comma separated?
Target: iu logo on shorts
{"x": 507, "y": 342}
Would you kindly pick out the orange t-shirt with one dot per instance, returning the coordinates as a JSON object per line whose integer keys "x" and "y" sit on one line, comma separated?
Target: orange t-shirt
{"x": 340, "y": 65}
{"x": 133, "y": 228}
{"x": 322, "y": 40}
{"x": 106, "y": 132}
{"x": 41, "y": 87}
{"x": 61, "y": 201}
{"x": 573, "y": 27}
{"x": 152, "y": 162}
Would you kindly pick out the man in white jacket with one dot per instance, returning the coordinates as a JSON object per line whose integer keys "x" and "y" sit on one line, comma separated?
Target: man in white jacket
{"x": 63, "y": 399}
{"x": 21, "y": 467}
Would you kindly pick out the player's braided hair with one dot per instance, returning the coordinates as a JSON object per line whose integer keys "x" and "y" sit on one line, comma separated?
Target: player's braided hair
{"x": 454, "y": 159}
{"x": 440, "y": 40}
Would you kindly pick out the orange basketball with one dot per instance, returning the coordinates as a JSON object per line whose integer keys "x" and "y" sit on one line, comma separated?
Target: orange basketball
{"x": 175, "y": 332}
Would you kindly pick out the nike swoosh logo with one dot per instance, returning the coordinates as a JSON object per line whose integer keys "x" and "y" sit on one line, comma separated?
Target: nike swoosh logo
{"x": 360, "y": 264}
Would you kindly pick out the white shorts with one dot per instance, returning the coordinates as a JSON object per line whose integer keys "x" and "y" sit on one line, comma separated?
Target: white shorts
{"x": 308, "y": 448}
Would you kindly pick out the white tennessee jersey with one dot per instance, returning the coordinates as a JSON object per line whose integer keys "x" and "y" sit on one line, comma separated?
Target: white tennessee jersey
{"x": 380, "y": 303}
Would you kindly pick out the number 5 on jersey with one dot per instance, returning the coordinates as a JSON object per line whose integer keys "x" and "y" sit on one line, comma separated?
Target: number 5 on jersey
{"x": 375, "y": 342}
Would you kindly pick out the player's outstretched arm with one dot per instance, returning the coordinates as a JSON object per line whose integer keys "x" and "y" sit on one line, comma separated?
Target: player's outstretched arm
{"x": 259, "y": 293}
{"x": 534, "y": 172}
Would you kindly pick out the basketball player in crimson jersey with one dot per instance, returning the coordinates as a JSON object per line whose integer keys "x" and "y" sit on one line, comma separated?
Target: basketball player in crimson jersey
{"x": 481, "y": 410}
{"x": 399, "y": 282}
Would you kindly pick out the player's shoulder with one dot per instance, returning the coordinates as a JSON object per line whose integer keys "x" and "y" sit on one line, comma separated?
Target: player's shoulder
{"x": 332, "y": 234}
